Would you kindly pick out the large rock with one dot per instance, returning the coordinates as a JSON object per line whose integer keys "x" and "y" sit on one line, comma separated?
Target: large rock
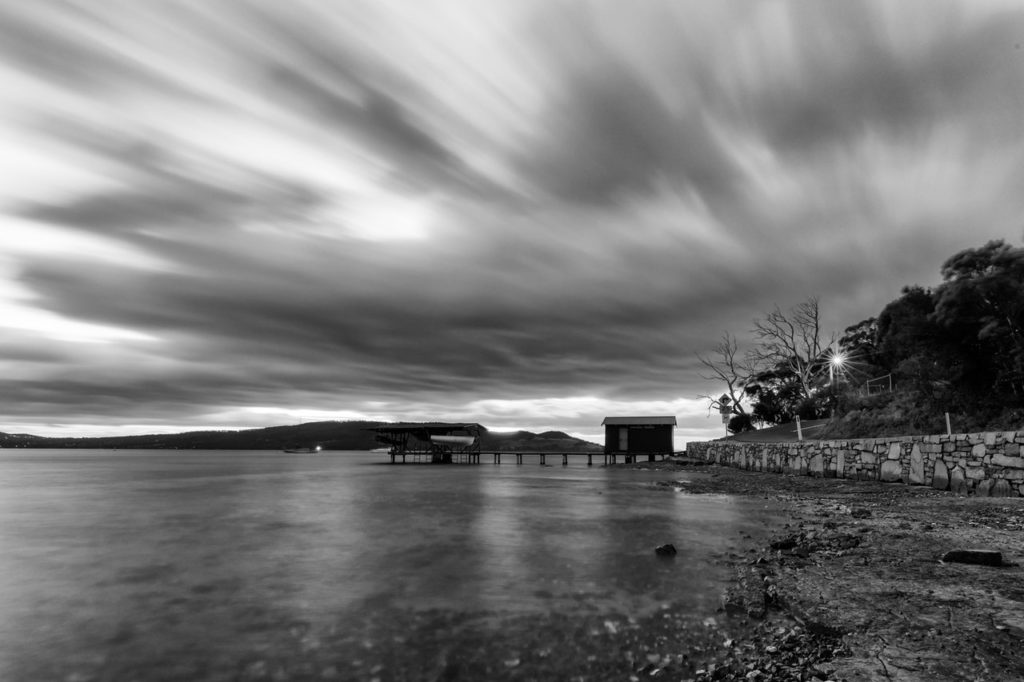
{"x": 916, "y": 466}
{"x": 891, "y": 470}
{"x": 940, "y": 479}
{"x": 984, "y": 488}
{"x": 816, "y": 466}
{"x": 665, "y": 550}
{"x": 982, "y": 557}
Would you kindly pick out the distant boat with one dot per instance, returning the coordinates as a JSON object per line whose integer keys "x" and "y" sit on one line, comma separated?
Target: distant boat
{"x": 311, "y": 450}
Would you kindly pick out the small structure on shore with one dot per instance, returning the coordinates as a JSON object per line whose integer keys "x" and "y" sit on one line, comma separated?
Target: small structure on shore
{"x": 637, "y": 436}
{"x": 438, "y": 442}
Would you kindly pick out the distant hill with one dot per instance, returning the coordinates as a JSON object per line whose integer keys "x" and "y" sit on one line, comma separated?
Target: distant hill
{"x": 330, "y": 435}
{"x": 523, "y": 441}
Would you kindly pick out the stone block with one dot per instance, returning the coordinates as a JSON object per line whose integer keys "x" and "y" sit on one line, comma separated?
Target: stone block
{"x": 990, "y": 438}
{"x": 958, "y": 482}
{"x": 984, "y": 488}
{"x": 948, "y": 447}
{"x": 891, "y": 471}
{"x": 894, "y": 451}
{"x": 867, "y": 458}
{"x": 978, "y": 451}
{"x": 1011, "y": 450}
{"x": 916, "y": 474}
{"x": 940, "y": 477}
{"x": 841, "y": 464}
{"x": 975, "y": 473}
{"x": 1001, "y": 488}
{"x": 815, "y": 466}
{"x": 1005, "y": 461}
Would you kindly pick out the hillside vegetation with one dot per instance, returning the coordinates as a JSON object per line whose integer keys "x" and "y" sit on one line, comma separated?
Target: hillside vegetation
{"x": 957, "y": 348}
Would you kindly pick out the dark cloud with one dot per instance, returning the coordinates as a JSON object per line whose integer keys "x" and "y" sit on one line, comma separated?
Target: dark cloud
{"x": 609, "y": 136}
{"x": 381, "y": 122}
{"x": 68, "y": 46}
{"x": 611, "y": 131}
{"x": 856, "y": 75}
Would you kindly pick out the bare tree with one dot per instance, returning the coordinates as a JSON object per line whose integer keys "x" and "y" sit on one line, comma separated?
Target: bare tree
{"x": 793, "y": 340}
{"x": 728, "y": 366}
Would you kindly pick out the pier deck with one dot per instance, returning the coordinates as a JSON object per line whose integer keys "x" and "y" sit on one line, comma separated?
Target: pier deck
{"x": 496, "y": 456}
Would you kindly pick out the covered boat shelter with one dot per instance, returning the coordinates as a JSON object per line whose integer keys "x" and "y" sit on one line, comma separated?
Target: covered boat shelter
{"x": 637, "y": 436}
{"x": 436, "y": 442}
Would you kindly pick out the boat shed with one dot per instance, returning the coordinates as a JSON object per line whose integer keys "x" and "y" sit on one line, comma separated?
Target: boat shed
{"x": 437, "y": 442}
{"x": 636, "y": 436}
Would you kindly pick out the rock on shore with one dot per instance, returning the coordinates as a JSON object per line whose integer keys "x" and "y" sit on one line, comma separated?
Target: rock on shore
{"x": 855, "y": 586}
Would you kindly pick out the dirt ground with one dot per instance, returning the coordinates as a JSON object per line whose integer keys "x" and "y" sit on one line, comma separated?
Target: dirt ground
{"x": 852, "y": 586}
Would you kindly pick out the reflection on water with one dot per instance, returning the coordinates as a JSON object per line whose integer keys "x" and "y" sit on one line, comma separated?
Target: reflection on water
{"x": 214, "y": 565}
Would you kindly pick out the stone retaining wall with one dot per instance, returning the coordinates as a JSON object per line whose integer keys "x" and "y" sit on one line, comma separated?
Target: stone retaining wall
{"x": 984, "y": 464}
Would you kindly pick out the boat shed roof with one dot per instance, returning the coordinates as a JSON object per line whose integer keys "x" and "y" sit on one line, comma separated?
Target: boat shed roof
{"x": 638, "y": 421}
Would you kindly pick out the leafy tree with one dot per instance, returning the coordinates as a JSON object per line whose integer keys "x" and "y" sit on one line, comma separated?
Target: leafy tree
{"x": 980, "y": 306}
{"x": 777, "y": 397}
{"x": 740, "y": 423}
{"x": 911, "y": 344}
{"x": 859, "y": 346}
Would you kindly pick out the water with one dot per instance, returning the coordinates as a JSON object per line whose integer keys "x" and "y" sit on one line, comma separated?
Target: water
{"x": 217, "y": 565}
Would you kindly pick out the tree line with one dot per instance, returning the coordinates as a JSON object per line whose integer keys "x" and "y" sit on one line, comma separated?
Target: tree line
{"x": 956, "y": 348}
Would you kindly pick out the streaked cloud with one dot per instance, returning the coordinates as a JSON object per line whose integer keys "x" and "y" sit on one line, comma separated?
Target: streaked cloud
{"x": 257, "y": 211}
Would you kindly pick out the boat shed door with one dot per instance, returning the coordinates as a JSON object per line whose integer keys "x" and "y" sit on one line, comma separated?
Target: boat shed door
{"x": 624, "y": 438}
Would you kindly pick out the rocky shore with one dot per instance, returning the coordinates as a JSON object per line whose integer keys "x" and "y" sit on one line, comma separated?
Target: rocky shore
{"x": 853, "y": 587}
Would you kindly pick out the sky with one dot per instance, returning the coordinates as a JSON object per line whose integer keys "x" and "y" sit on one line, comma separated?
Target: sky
{"x": 527, "y": 214}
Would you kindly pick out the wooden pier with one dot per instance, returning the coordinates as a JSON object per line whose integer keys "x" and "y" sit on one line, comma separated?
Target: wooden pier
{"x": 496, "y": 456}
{"x": 459, "y": 443}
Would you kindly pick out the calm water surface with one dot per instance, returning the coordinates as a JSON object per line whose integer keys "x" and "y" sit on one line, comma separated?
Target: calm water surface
{"x": 119, "y": 565}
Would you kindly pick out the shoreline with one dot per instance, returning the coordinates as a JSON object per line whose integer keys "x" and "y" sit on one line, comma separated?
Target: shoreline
{"x": 851, "y": 587}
